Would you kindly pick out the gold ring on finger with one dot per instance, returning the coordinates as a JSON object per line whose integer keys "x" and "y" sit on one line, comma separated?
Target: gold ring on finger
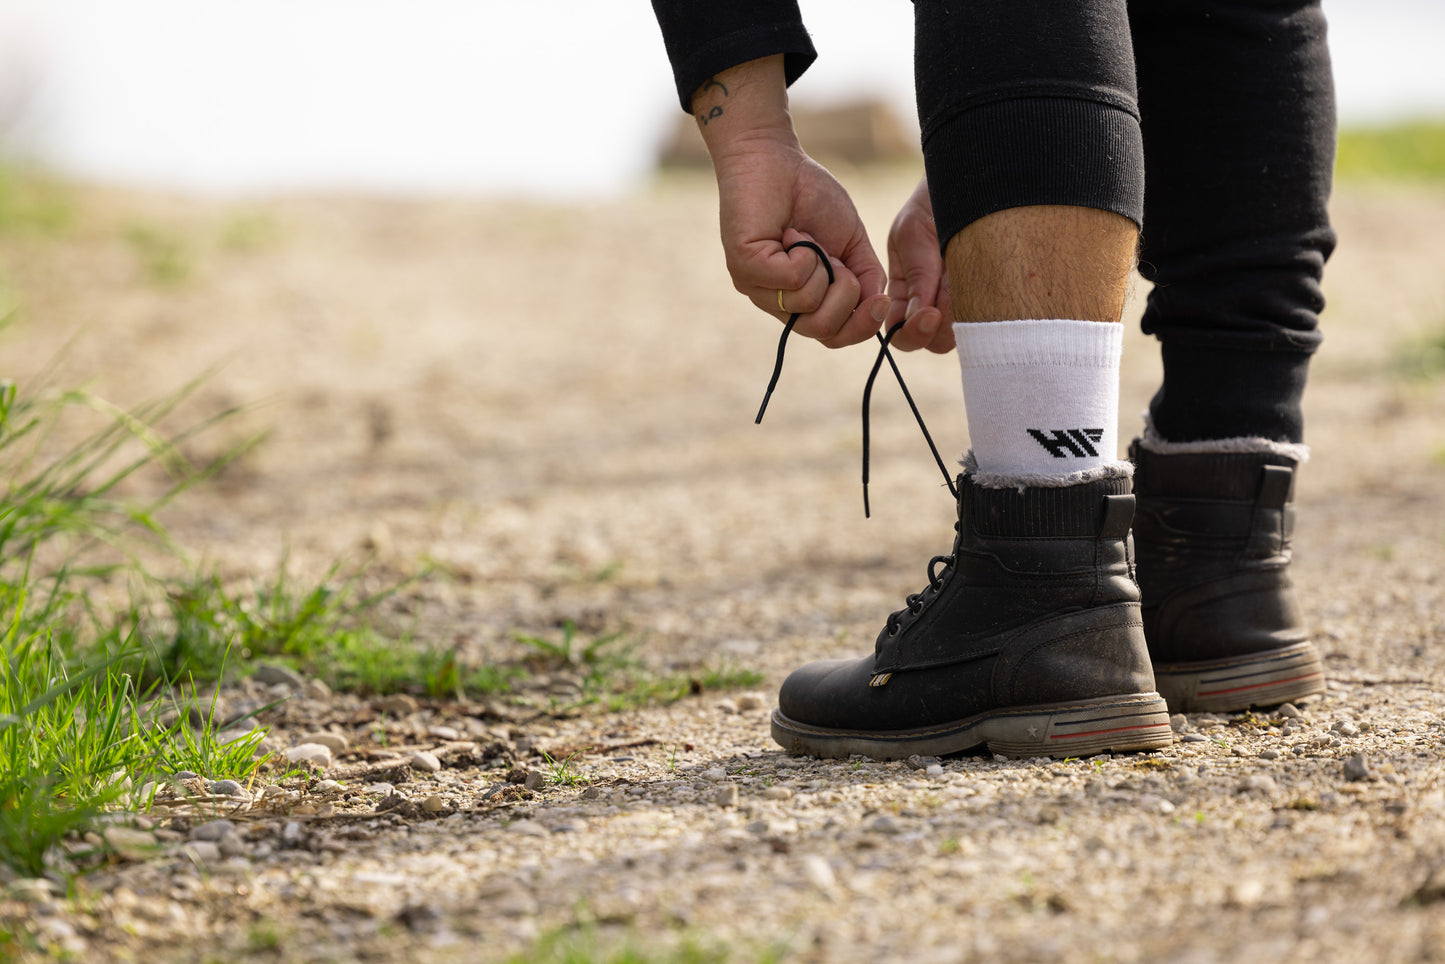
{"x": 780, "y": 302}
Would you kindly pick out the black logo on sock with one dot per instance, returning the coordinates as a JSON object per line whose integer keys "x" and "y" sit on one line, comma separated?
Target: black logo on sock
{"x": 1064, "y": 442}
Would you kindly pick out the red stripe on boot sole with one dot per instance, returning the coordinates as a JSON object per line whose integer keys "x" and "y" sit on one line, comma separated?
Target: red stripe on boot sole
{"x": 1255, "y": 686}
{"x": 1119, "y": 729}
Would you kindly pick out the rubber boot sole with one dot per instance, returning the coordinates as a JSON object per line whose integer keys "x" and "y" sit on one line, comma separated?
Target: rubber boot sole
{"x": 1118, "y": 724}
{"x": 1238, "y": 683}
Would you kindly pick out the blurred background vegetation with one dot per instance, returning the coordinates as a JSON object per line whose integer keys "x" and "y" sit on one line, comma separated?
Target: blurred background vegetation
{"x": 1410, "y": 150}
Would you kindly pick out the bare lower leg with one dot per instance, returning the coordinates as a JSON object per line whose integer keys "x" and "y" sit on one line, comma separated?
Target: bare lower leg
{"x": 1042, "y": 261}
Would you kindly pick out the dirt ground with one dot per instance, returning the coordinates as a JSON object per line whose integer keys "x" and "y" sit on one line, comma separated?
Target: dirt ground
{"x": 552, "y": 408}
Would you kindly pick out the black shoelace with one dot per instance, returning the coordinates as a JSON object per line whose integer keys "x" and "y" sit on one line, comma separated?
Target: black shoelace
{"x": 883, "y": 355}
{"x": 916, "y": 601}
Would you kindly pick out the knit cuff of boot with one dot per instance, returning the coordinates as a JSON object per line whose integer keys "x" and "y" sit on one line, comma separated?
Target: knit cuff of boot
{"x": 998, "y": 480}
{"x": 1152, "y": 441}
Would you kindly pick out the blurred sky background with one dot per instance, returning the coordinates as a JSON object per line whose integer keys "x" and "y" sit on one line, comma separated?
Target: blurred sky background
{"x": 548, "y": 98}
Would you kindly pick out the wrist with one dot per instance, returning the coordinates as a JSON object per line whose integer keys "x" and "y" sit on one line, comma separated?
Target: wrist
{"x": 744, "y": 109}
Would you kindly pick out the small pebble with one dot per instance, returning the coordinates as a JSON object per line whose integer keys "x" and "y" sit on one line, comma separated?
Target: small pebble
{"x": 233, "y": 845}
{"x": 726, "y": 706}
{"x": 202, "y": 851}
{"x": 329, "y": 788}
{"x": 433, "y": 804}
{"x": 379, "y": 789}
{"x": 535, "y": 780}
{"x": 749, "y": 702}
{"x": 334, "y": 742}
{"x": 443, "y": 732}
{"x": 425, "y": 761}
{"x": 1247, "y": 892}
{"x": 317, "y": 690}
{"x": 212, "y": 830}
{"x": 33, "y": 890}
{"x": 273, "y": 674}
{"x": 227, "y": 788}
{"x": 715, "y": 775}
{"x": 1345, "y": 728}
{"x": 592, "y": 793}
{"x": 778, "y": 793}
{"x": 184, "y": 775}
{"x": 726, "y": 795}
{"x": 818, "y": 872}
{"x": 1193, "y": 738}
{"x": 1152, "y": 801}
{"x": 1357, "y": 768}
{"x": 399, "y": 704}
{"x": 1258, "y": 783}
{"x": 315, "y": 754}
{"x": 885, "y": 824}
{"x": 1289, "y": 711}
{"x": 1178, "y": 722}
{"x": 758, "y": 827}
{"x": 291, "y": 834}
{"x": 1269, "y": 754}
{"x": 131, "y": 844}
{"x": 934, "y": 771}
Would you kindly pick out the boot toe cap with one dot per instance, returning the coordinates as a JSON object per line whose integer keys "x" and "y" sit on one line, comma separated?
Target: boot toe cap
{"x": 824, "y": 693}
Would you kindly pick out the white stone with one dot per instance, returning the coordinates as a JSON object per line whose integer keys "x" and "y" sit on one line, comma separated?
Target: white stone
{"x": 131, "y": 844}
{"x": 315, "y": 754}
{"x": 202, "y": 851}
{"x": 749, "y": 702}
{"x": 818, "y": 872}
{"x": 334, "y": 742}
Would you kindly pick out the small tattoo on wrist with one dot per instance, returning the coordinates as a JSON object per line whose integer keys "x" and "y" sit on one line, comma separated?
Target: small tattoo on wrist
{"x": 705, "y": 117}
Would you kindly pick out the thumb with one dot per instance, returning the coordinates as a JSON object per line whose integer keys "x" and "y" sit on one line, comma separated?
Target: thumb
{"x": 872, "y": 279}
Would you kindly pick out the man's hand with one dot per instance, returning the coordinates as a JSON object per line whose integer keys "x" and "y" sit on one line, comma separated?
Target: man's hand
{"x": 772, "y": 195}
{"x": 917, "y": 285}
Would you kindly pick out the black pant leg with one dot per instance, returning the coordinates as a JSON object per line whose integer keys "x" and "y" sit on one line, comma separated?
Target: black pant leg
{"x": 1026, "y": 102}
{"x": 1237, "y": 108}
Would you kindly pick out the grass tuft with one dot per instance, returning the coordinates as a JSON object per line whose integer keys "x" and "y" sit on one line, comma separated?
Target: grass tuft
{"x": 614, "y": 678}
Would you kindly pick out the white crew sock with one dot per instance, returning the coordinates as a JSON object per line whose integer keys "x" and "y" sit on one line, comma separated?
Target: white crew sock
{"x": 1042, "y": 399}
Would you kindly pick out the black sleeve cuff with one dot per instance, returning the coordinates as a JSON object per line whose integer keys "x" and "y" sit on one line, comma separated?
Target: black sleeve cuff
{"x": 704, "y": 41}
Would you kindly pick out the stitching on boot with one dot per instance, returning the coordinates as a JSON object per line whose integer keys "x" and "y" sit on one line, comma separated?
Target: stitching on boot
{"x": 997, "y": 480}
{"x": 1152, "y": 441}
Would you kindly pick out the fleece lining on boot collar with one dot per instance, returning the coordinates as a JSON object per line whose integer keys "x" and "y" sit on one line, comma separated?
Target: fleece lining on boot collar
{"x": 1152, "y": 441}
{"x": 994, "y": 480}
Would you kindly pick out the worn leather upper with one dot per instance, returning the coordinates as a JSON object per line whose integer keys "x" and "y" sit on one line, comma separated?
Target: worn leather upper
{"x": 1213, "y": 537}
{"x": 1038, "y": 605}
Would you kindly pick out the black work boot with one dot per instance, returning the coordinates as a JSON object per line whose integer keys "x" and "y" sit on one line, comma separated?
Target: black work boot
{"x": 1027, "y": 639}
{"x": 1212, "y": 536}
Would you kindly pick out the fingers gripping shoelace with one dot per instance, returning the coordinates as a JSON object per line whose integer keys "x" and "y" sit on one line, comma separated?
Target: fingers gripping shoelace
{"x": 883, "y": 354}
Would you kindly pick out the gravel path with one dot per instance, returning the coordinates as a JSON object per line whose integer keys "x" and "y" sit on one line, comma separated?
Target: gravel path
{"x": 529, "y": 398}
